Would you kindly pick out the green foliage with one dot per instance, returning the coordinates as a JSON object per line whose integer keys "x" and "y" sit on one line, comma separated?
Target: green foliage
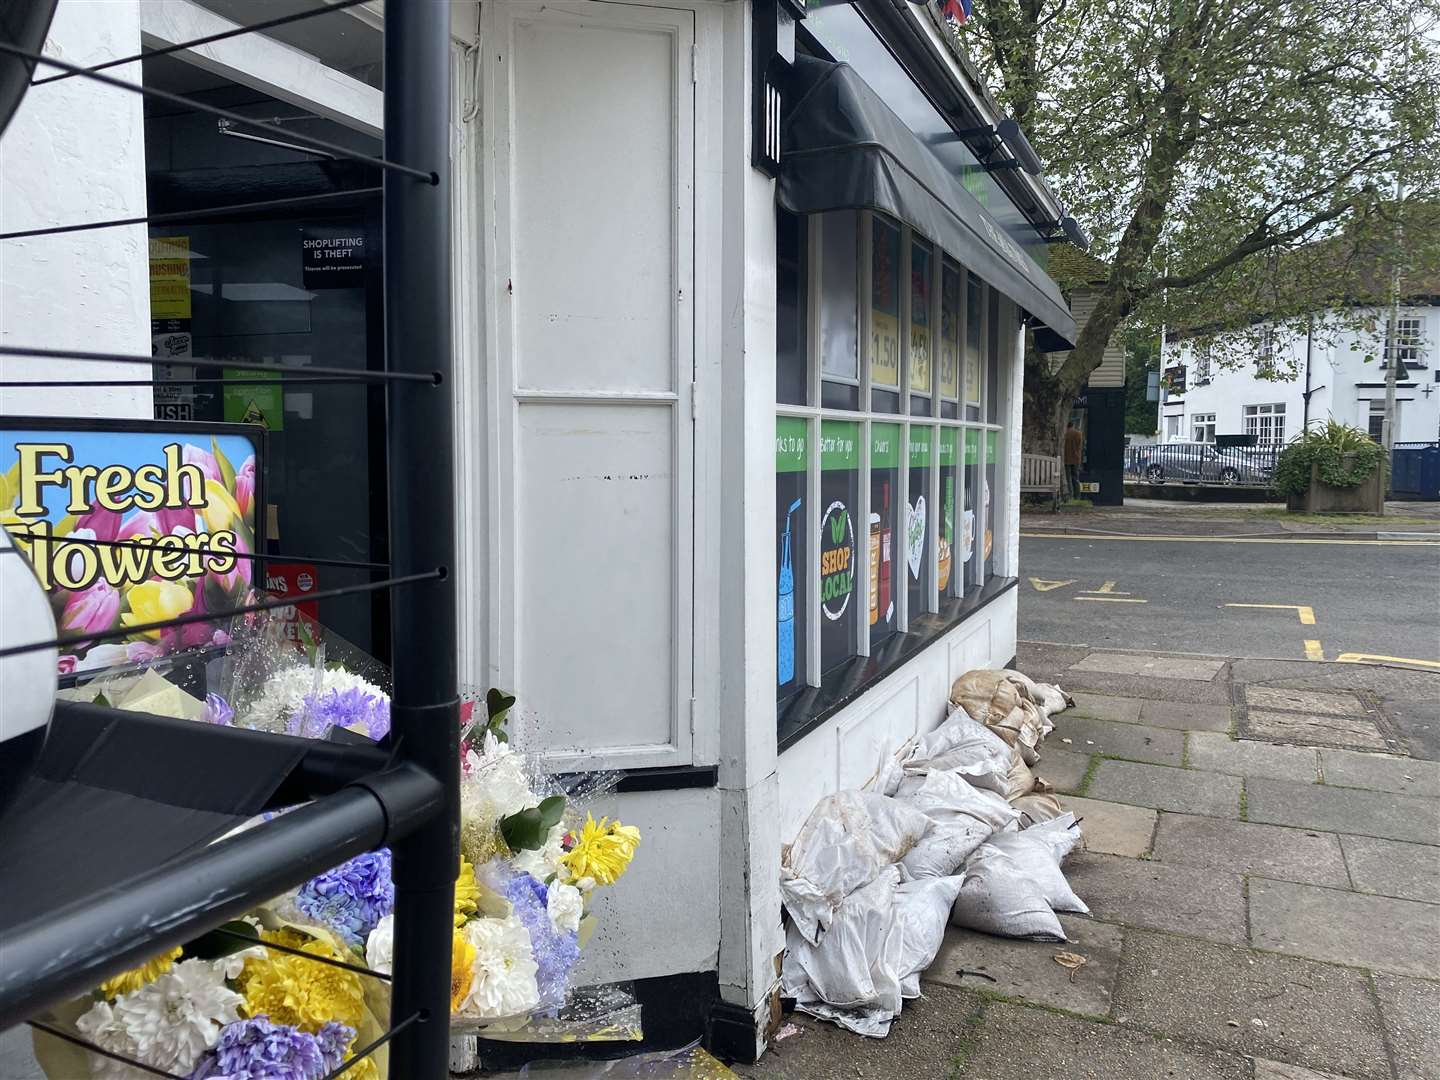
{"x": 1327, "y": 446}
{"x": 1142, "y": 356}
{"x": 528, "y": 829}
{"x": 497, "y": 712}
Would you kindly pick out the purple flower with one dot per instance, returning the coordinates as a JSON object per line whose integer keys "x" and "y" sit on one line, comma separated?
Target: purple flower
{"x": 256, "y": 1049}
{"x": 93, "y": 610}
{"x": 555, "y": 951}
{"x": 351, "y": 898}
{"x": 217, "y": 710}
{"x": 352, "y": 708}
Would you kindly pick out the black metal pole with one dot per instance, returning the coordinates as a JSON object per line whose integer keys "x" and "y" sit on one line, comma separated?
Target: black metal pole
{"x": 425, "y": 705}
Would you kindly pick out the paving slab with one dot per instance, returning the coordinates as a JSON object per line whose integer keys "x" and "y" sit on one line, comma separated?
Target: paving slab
{"x": 1061, "y": 769}
{"x": 1411, "y": 1010}
{"x": 1112, "y": 828}
{"x": 1216, "y": 752}
{"x": 1242, "y": 847}
{"x": 1343, "y": 810}
{"x": 1102, "y": 707}
{"x": 1134, "y": 742}
{"x": 922, "y": 1043}
{"x": 1185, "y": 716}
{"x": 1292, "y": 1010}
{"x": 1138, "y": 892}
{"x": 1016, "y": 1043}
{"x": 1278, "y": 1070}
{"x": 1377, "y": 932}
{"x": 1182, "y": 790}
{"x": 1380, "y": 772}
{"x": 1027, "y": 971}
{"x": 1321, "y": 702}
{"x": 1392, "y": 868}
{"x": 1354, "y": 732}
{"x": 1156, "y": 667}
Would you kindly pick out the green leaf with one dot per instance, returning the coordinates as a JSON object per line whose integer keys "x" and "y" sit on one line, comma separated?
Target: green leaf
{"x": 214, "y": 945}
{"x": 551, "y": 810}
{"x": 101, "y": 699}
{"x": 227, "y": 471}
{"x": 524, "y": 830}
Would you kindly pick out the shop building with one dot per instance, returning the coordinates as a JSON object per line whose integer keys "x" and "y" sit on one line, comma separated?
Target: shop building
{"x": 738, "y": 410}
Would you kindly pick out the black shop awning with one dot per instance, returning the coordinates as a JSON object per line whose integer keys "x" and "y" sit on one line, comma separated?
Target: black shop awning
{"x": 842, "y": 148}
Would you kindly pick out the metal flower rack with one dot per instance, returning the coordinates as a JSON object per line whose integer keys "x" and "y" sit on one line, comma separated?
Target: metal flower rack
{"x": 150, "y": 794}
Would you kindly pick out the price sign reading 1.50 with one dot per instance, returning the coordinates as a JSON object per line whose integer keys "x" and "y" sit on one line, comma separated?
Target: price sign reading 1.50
{"x": 884, "y": 349}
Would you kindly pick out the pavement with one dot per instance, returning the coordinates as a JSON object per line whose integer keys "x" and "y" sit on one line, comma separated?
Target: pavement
{"x": 1262, "y": 865}
{"x": 1198, "y": 592}
{"x": 1164, "y": 517}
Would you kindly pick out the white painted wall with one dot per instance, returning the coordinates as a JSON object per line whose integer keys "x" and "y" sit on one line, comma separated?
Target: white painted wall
{"x": 1337, "y": 368}
{"x": 75, "y": 152}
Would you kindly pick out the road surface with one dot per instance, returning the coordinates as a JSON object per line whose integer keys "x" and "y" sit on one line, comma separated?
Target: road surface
{"x": 1279, "y": 598}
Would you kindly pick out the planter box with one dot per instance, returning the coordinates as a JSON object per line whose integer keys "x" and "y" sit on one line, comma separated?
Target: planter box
{"x": 1368, "y": 497}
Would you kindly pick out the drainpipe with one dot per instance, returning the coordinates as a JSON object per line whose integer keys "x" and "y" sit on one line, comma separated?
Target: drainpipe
{"x": 1309, "y": 344}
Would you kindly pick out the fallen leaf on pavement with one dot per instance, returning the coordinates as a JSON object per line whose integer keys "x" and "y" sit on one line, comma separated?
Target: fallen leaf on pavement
{"x": 1072, "y": 962}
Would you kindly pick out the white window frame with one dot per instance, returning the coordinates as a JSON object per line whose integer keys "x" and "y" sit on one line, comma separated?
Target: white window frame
{"x": 1409, "y": 338}
{"x": 1202, "y": 427}
{"x": 1266, "y": 421}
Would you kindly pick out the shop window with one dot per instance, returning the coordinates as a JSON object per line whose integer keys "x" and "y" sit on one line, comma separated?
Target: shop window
{"x": 970, "y": 516}
{"x": 921, "y": 338}
{"x": 919, "y": 522}
{"x": 790, "y": 315}
{"x": 884, "y": 530}
{"x": 839, "y": 541}
{"x": 884, "y": 355}
{"x": 950, "y": 318}
{"x": 974, "y": 339}
{"x": 839, "y": 296}
{"x": 791, "y": 534}
{"x": 993, "y": 345}
{"x": 988, "y": 491}
{"x": 947, "y": 582}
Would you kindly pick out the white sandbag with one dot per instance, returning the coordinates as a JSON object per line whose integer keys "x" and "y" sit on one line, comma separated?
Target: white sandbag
{"x": 1048, "y": 696}
{"x": 924, "y": 908}
{"x": 853, "y": 975}
{"x": 1020, "y": 780}
{"x": 1037, "y": 853}
{"x": 998, "y": 897}
{"x": 1023, "y": 728}
{"x": 966, "y": 746}
{"x": 986, "y": 695}
{"x": 888, "y": 776}
{"x": 1037, "y": 808}
{"x": 964, "y": 817}
{"x": 844, "y": 844}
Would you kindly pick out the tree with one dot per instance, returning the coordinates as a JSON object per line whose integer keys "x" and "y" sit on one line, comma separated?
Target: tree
{"x": 1200, "y": 140}
{"x": 1142, "y": 356}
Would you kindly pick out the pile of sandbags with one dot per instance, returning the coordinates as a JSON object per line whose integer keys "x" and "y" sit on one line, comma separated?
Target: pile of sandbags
{"x": 955, "y": 827}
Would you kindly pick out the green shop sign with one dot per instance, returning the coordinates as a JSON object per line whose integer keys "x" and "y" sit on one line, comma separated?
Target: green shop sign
{"x": 919, "y": 447}
{"x": 992, "y": 446}
{"x": 884, "y": 446}
{"x": 790, "y": 455}
{"x": 839, "y": 445}
{"x": 949, "y": 446}
{"x": 972, "y": 447}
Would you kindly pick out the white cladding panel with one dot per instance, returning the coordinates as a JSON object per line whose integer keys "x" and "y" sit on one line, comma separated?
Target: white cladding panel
{"x": 594, "y": 138}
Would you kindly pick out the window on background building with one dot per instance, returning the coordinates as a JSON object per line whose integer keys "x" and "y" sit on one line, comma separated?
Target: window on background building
{"x": 1266, "y": 423}
{"x": 884, "y": 477}
{"x": 1204, "y": 365}
{"x": 1377, "y": 418}
{"x": 1409, "y": 338}
{"x": 1172, "y": 428}
{"x": 1203, "y": 427}
{"x": 1265, "y": 359}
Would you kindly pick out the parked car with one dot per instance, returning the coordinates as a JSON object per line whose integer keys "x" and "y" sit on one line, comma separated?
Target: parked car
{"x": 1202, "y": 463}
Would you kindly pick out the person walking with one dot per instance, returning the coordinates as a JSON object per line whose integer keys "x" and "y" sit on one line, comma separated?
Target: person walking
{"x": 1073, "y": 446}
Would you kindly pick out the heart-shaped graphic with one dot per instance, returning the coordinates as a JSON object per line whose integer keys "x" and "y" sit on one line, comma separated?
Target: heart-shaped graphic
{"x": 915, "y": 535}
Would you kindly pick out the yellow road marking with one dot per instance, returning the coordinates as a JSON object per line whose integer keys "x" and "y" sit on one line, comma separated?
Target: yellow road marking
{"x": 1306, "y": 613}
{"x": 1108, "y": 587}
{"x": 1361, "y": 658}
{"x": 1113, "y": 599}
{"x": 1228, "y": 539}
{"x": 1313, "y": 651}
{"x": 1041, "y": 585}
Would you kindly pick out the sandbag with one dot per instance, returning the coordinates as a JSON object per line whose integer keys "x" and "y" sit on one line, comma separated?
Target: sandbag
{"x": 1048, "y": 696}
{"x": 963, "y": 818}
{"x": 1020, "y": 780}
{"x": 1036, "y": 808}
{"x": 1037, "y": 853}
{"x": 853, "y": 975}
{"x": 888, "y": 776}
{"x": 1023, "y": 728}
{"x": 844, "y": 844}
{"x": 924, "y": 908}
{"x": 998, "y": 897}
{"x": 964, "y": 746}
{"x": 987, "y": 695}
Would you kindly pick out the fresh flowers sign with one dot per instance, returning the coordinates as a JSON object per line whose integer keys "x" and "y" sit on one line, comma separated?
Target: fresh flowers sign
{"x": 128, "y": 524}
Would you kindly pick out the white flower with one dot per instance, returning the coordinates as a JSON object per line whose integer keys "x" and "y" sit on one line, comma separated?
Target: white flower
{"x": 380, "y": 946}
{"x": 230, "y": 966}
{"x": 285, "y": 691}
{"x": 176, "y": 1018}
{"x": 503, "y": 982}
{"x": 544, "y": 862}
{"x": 103, "y": 656}
{"x": 565, "y": 905}
{"x": 496, "y": 785}
{"x": 101, "y": 1026}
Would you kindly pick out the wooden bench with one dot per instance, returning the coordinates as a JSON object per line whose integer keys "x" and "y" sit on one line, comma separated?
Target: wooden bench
{"x": 1040, "y": 475}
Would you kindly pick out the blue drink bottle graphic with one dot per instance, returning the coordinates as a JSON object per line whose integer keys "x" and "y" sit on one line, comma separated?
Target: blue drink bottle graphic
{"x": 785, "y": 626}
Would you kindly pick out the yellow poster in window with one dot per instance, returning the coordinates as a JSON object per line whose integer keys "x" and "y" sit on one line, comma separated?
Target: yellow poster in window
{"x": 972, "y": 376}
{"x": 949, "y": 368}
{"x": 169, "y": 277}
{"x": 919, "y": 358}
{"x": 884, "y": 349}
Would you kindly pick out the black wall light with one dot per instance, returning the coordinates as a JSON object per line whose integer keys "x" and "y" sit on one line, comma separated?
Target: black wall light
{"x": 772, "y": 53}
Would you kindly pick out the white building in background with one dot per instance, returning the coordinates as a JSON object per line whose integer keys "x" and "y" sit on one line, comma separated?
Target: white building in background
{"x": 1330, "y": 368}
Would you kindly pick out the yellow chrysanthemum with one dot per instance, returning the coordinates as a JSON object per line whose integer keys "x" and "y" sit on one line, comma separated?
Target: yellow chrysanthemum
{"x": 462, "y": 969}
{"x": 130, "y": 981}
{"x": 467, "y": 892}
{"x": 602, "y": 851}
